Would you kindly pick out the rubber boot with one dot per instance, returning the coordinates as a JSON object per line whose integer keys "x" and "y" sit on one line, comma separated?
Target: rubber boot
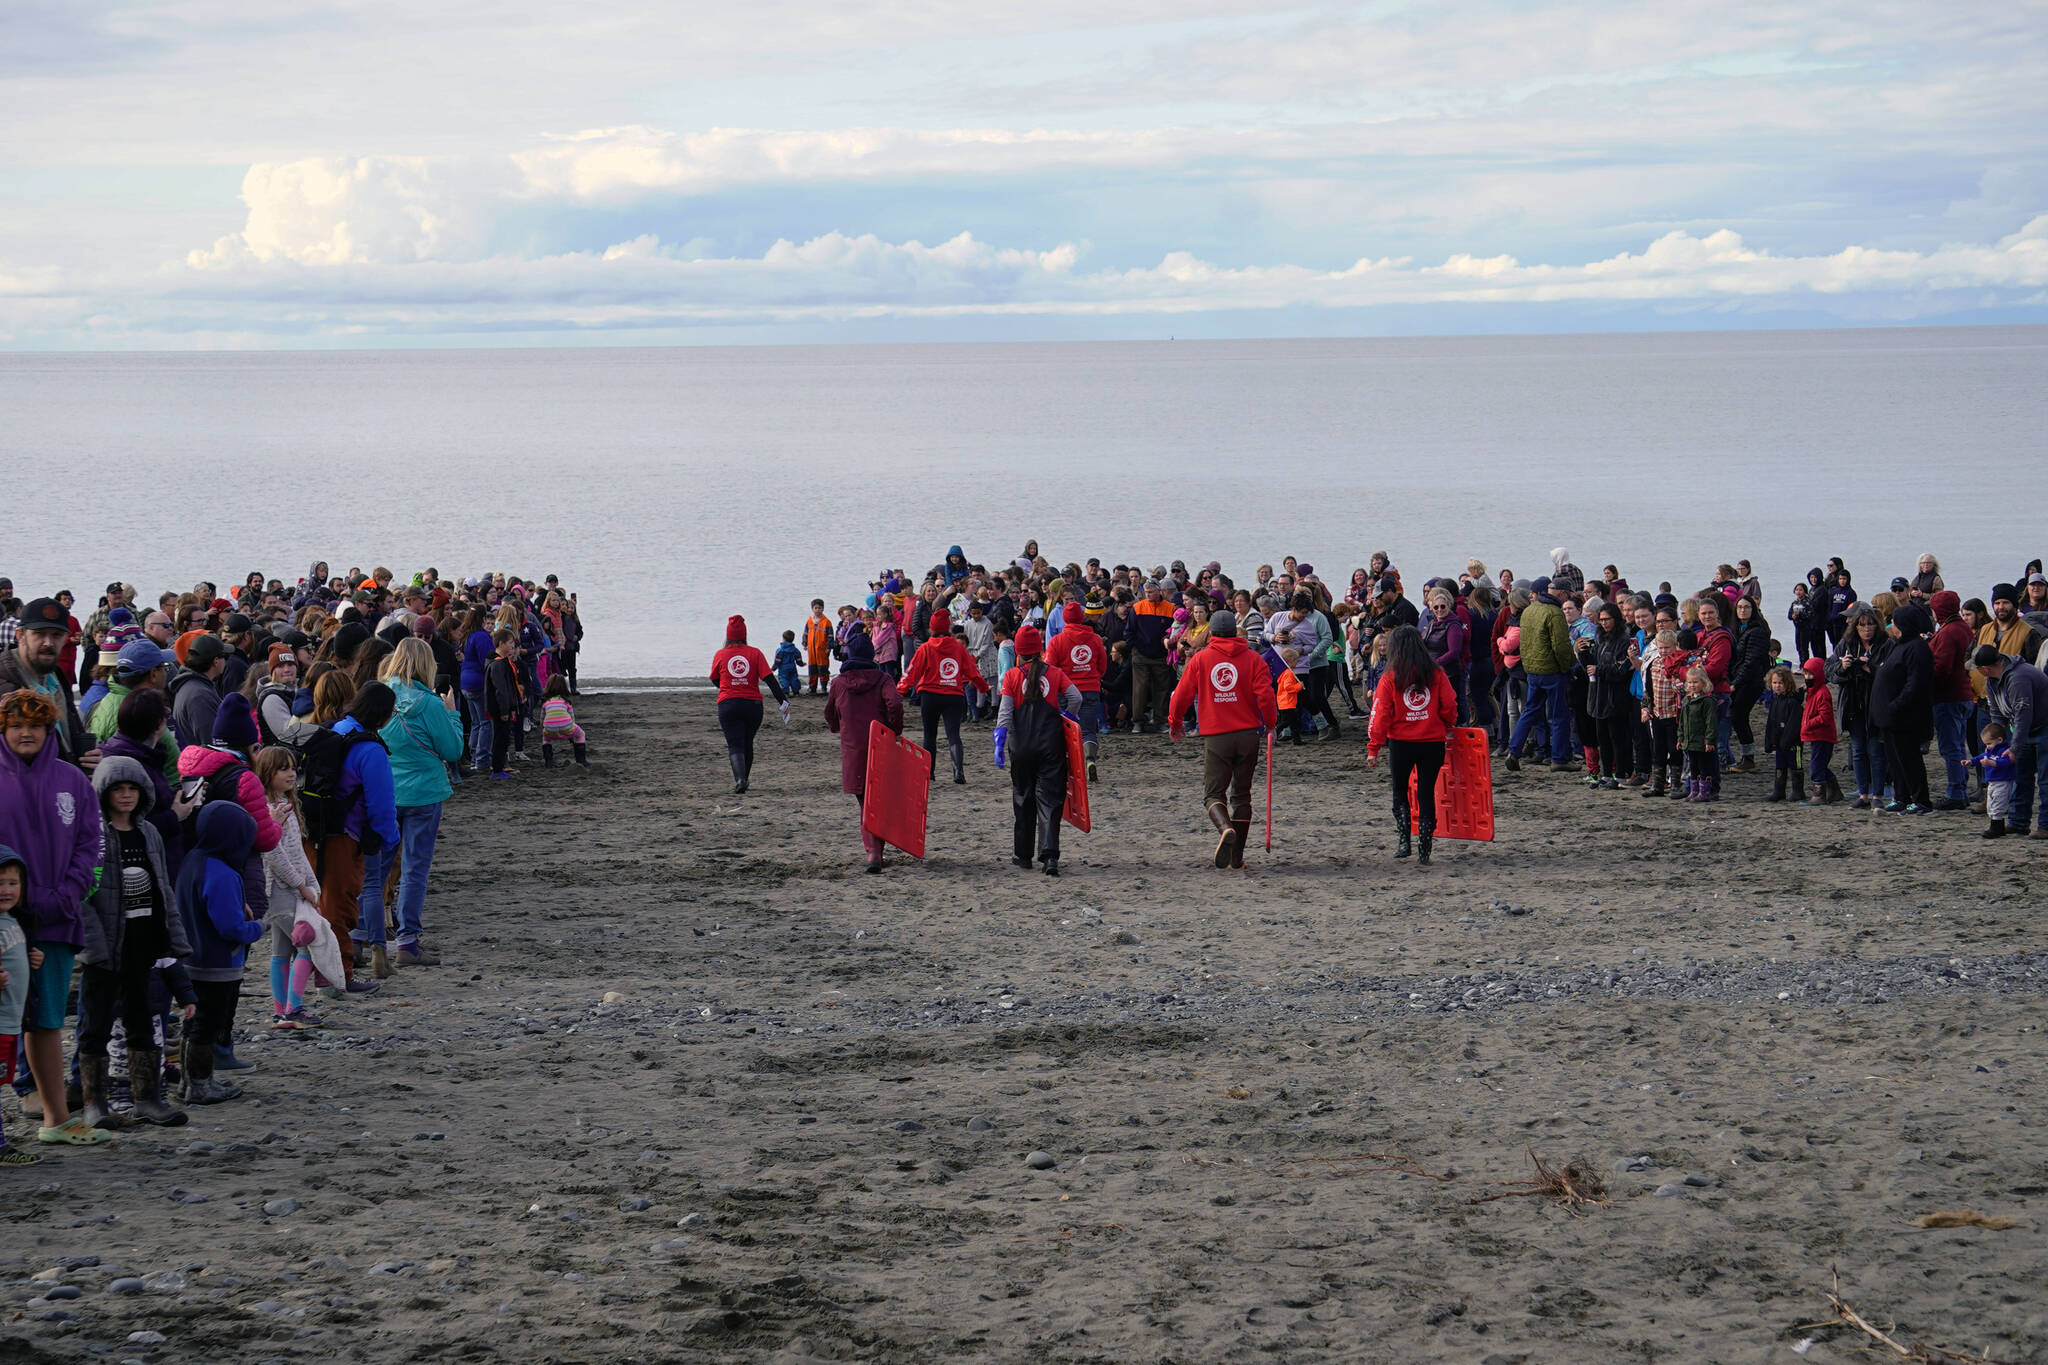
{"x": 739, "y": 777}
{"x": 1423, "y": 843}
{"x": 1777, "y": 788}
{"x": 201, "y": 1085}
{"x": 582, "y": 754}
{"x": 380, "y": 961}
{"x": 92, "y": 1081}
{"x": 1401, "y": 846}
{"x": 1748, "y": 763}
{"x": 958, "y": 749}
{"x": 1088, "y": 751}
{"x": 1996, "y": 831}
{"x": 146, "y": 1075}
{"x": 1799, "y": 786}
{"x": 1656, "y": 787}
{"x": 1244, "y": 834}
{"x": 547, "y": 755}
{"x": 1833, "y": 794}
{"x": 1226, "y": 833}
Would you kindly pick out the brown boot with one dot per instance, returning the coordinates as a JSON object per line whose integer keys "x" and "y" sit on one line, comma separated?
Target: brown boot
{"x": 1226, "y": 840}
{"x": 380, "y": 961}
{"x": 146, "y": 1079}
{"x": 1244, "y": 836}
{"x": 92, "y": 1081}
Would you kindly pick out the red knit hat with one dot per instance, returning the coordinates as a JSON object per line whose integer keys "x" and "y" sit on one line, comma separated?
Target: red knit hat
{"x": 1029, "y": 641}
{"x": 735, "y": 630}
{"x": 942, "y": 621}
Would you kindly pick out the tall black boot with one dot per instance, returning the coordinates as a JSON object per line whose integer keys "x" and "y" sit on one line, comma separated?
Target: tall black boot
{"x": 739, "y": 771}
{"x": 1428, "y": 837}
{"x": 582, "y": 754}
{"x": 1656, "y": 787}
{"x": 146, "y": 1080}
{"x": 958, "y": 749}
{"x": 1798, "y": 785}
{"x": 1777, "y": 788}
{"x": 92, "y": 1081}
{"x": 547, "y": 755}
{"x": 1402, "y": 847}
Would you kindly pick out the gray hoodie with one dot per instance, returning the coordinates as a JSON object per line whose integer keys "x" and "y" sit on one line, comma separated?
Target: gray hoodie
{"x": 104, "y": 925}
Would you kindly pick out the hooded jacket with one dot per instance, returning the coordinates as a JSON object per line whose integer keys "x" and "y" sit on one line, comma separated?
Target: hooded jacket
{"x": 954, "y": 568}
{"x": 249, "y": 795}
{"x": 477, "y": 653}
{"x": 210, "y": 892}
{"x": 423, "y": 738}
{"x": 1420, "y": 714}
{"x": 1951, "y": 647}
{"x": 942, "y": 664}
{"x": 161, "y": 792}
{"x": 2019, "y": 697}
{"x": 1546, "y": 642}
{"x": 1609, "y": 694}
{"x": 859, "y": 696}
{"x": 104, "y": 924}
{"x": 50, "y": 816}
{"x": 1079, "y": 652}
{"x": 105, "y": 723}
{"x": 1817, "y": 719}
{"x": 195, "y": 700}
{"x": 1230, "y": 688}
{"x": 1902, "y": 692}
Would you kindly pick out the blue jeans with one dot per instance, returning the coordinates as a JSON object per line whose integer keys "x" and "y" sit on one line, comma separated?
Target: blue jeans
{"x": 1952, "y": 737}
{"x": 1820, "y": 757}
{"x": 1724, "y": 730}
{"x": 2032, "y": 753}
{"x": 1546, "y": 695}
{"x": 479, "y": 732}
{"x": 1866, "y": 759}
{"x": 418, "y": 828}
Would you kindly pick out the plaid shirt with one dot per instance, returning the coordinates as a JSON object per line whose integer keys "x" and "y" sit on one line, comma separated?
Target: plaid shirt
{"x": 8, "y": 629}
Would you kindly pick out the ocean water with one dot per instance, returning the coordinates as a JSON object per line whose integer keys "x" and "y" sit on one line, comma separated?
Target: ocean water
{"x": 674, "y": 487}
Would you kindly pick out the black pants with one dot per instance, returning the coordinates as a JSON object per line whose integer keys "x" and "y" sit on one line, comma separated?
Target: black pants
{"x": 1425, "y": 759}
{"x": 1038, "y": 791}
{"x": 1316, "y": 693}
{"x": 215, "y": 1021}
{"x": 1741, "y": 706}
{"x": 1343, "y": 676}
{"x": 952, "y": 709}
{"x": 1906, "y": 766}
{"x": 501, "y": 739}
{"x": 1617, "y": 748}
{"x": 1643, "y": 741}
{"x": 108, "y": 993}
{"x": 739, "y": 719}
{"x": 1664, "y": 744}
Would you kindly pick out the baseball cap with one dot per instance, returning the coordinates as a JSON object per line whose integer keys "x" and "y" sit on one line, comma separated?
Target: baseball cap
{"x": 1900, "y": 585}
{"x": 138, "y": 657}
{"x": 203, "y": 651}
{"x": 236, "y": 624}
{"x": 45, "y": 613}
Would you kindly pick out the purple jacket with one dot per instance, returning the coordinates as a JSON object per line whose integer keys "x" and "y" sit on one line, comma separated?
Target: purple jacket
{"x": 857, "y": 698}
{"x": 51, "y": 817}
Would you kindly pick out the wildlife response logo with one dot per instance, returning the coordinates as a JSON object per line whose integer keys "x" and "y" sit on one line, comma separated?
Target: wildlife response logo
{"x": 949, "y": 670}
{"x": 1223, "y": 681}
{"x": 1083, "y": 656}
{"x": 738, "y": 668}
{"x": 1416, "y": 700}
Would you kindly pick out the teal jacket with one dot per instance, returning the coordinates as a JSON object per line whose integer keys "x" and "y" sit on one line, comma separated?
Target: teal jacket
{"x": 424, "y": 738}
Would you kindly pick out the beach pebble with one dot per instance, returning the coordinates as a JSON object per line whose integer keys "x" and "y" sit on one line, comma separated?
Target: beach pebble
{"x": 59, "y": 1315}
{"x": 60, "y": 1292}
{"x": 674, "y": 1244}
{"x": 281, "y": 1208}
{"x": 55, "y": 1272}
{"x": 636, "y": 1204}
{"x": 908, "y": 1126}
{"x": 165, "y": 1282}
{"x": 270, "y": 1306}
{"x": 1669, "y": 1191}
{"x": 79, "y": 1262}
{"x": 182, "y": 1196}
{"x": 147, "y": 1338}
{"x": 978, "y": 1124}
{"x": 690, "y": 1220}
{"x": 1634, "y": 1163}
{"x": 127, "y": 1284}
{"x": 1041, "y": 1161}
{"x": 613, "y": 998}
{"x": 390, "y": 1267}
{"x": 1124, "y": 937}
{"x": 1913, "y": 1154}
{"x": 1701, "y": 1182}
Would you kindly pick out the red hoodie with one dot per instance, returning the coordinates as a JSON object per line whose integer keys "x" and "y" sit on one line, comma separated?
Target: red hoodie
{"x": 1078, "y": 652}
{"x": 1417, "y": 714}
{"x": 1817, "y": 720}
{"x": 1230, "y": 688}
{"x": 942, "y": 664}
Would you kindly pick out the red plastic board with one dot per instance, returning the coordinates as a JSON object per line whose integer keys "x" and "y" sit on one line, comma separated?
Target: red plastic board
{"x": 1075, "y": 812}
{"x": 899, "y": 793}
{"x": 1464, "y": 789}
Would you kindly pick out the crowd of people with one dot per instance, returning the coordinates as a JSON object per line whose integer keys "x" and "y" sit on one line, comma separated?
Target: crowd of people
{"x": 1659, "y": 690}
{"x": 181, "y": 783}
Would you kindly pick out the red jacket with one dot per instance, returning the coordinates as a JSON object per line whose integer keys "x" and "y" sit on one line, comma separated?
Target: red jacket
{"x": 1229, "y": 686}
{"x": 1951, "y": 646}
{"x": 1415, "y": 714}
{"x": 942, "y": 664}
{"x": 1817, "y": 720}
{"x": 739, "y": 671}
{"x": 1079, "y": 652}
{"x": 1717, "y": 648}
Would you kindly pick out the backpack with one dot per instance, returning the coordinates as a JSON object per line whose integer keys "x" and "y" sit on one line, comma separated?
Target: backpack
{"x": 223, "y": 785}
{"x": 323, "y": 813}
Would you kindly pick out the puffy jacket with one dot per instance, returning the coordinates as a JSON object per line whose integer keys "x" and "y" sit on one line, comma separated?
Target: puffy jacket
{"x": 423, "y": 738}
{"x": 1902, "y": 693}
{"x": 210, "y": 892}
{"x": 367, "y": 769}
{"x": 1610, "y": 692}
{"x": 1546, "y": 643}
{"x": 249, "y": 795}
{"x": 1415, "y": 714}
{"x": 103, "y": 922}
{"x": 1781, "y": 728}
{"x": 50, "y": 817}
{"x": 1752, "y": 655}
{"x": 1230, "y": 688}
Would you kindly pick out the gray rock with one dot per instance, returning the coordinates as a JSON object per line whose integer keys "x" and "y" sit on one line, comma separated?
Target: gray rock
{"x": 79, "y": 1262}
{"x": 182, "y": 1196}
{"x": 1124, "y": 938}
{"x": 1634, "y": 1163}
{"x": 59, "y": 1315}
{"x": 636, "y": 1204}
{"x": 59, "y": 1292}
{"x": 270, "y": 1306}
{"x": 908, "y": 1126}
{"x": 1913, "y": 1154}
{"x": 1041, "y": 1161}
{"x": 691, "y": 1220}
{"x": 165, "y": 1282}
{"x": 978, "y": 1124}
{"x": 281, "y": 1208}
{"x": 147, "y": 1338}
{"x": 1702, "y": 1182}
{"x": 674, "y": 1244}
{"x": 390, "y": 1267}
{"x": 127, "y": 1284}
{"x": 1669, "y": 1191}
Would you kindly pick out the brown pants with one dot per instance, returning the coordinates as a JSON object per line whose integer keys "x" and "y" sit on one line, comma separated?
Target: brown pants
{"x": 340, "y": 868}
{"x": 1229, "y": 762}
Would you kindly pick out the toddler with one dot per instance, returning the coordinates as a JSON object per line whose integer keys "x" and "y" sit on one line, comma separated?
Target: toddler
{"x": 294, "y": 920}
{"x": 1697, "y": 723}
{"x": 1781, "y": 733}
{"x": 17, "y": 959}
{"x": 787, "y": 658}
{"x": 1996, "y": 765}
{"x": 558, "y": 718}
{"x": 1287, "y": 694}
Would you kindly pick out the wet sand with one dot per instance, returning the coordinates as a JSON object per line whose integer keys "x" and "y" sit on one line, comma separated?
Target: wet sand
{"x": 689, "y": 1086}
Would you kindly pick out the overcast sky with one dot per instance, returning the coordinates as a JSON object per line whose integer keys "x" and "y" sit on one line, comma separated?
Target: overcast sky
{"x": 240, "y": 173}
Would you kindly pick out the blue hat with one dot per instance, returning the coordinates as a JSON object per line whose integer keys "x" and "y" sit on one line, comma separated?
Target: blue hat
{"x": 860, "y": 650}
{"x": 120, "y": 616}
{"x": 138, "y": 657}
{"x": 1540, "y": 586}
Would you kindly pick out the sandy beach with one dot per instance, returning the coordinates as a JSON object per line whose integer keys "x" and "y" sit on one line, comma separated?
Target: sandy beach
{"x": 690, "y": 1086}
